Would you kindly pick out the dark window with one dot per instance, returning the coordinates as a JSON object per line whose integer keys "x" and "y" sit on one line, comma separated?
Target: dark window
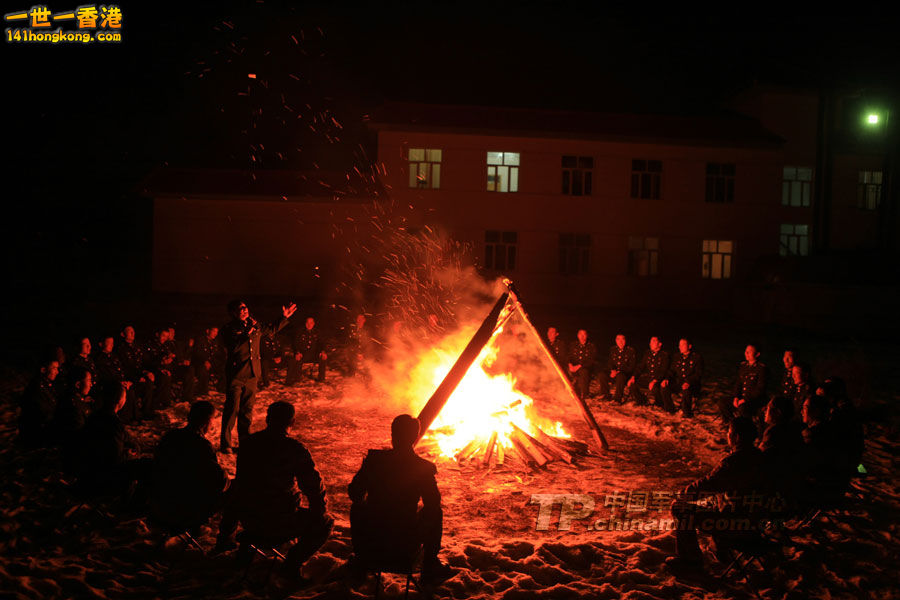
{"x": 577, "y": 175}
{"x": 500, "y": 250}
{"x": 794, "y": 240}
{"x": 643, "y": 256}
{"x": 574, "y": 253}
{"x": 646, "y": 178}
{"x": 720, "y": 182}
{"x": 869, "y": 192}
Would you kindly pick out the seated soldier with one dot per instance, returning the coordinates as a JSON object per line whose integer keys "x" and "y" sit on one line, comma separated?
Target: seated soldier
{"x": 749, "y": 388}
{"x": 654, "y": 368}
{"x": 385, "y": 493}
{"x": 38, "y": 405}
{"x": 581, "y": 360}
{"x": 828, "y": 466}
{"x": 782, "y": 448}
{"x": 271, "y": 466}
{"x": 735, "y": 482}
{"x": 619, "y": 369}
{"x": 188, "y": 483}
{"x": 72, "y": 410}
{"x": 204, "y": 356}
{"x": 308, "y": 349}
{"x": 104, "y": 463}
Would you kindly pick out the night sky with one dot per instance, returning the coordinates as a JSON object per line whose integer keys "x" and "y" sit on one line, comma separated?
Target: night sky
{"x": 86, "y": 123}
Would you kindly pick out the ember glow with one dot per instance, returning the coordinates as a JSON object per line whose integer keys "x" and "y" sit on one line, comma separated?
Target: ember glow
{"x": 483, "y": 404}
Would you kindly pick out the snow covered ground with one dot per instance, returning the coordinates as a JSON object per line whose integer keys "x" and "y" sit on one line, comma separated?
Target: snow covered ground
{"x": 51, "y": 549}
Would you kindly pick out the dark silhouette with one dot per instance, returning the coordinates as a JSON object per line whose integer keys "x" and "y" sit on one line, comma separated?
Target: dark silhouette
{"x": 188, "y": 483}
{"x": 39, "y": 405}
{"x": 386, "y": 523}
{"x": 264, "y": 497}
{"x": 749, "y": 388}
{"x": 738, "y": 485}
{"x": 242, "y": 339}
{"x": 308, "y": 349}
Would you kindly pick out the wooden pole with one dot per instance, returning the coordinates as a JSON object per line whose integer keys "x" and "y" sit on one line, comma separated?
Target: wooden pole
{"x": 585, "y": 410}
{"x": 440, "y": 396}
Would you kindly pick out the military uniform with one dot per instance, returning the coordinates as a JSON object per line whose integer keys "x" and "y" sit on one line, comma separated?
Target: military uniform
{"x": 686, "y": 368}
{"x": 787, "y": 384}
{"x": 38, "y": 406}
{"x": 205, "y": 351}
{"x": 110, "y": 377}
{"x": 273, "y": 470}
{"x": 83, "y": 362}
{"x": 384, "y": 515}
{"x": 308, "y": 345}
{"x": 586, "y": 356}
{"x": 558, "y": 348}
{"x": 800, "y": 394}
{"x": 750, "y": 387}
{"x": 242, "y": 341}
{"x": 158, "y": 360}
{"x": 131, "y": 359}
{"x": 623, "y": 362}
{"x": 654, "y": 366}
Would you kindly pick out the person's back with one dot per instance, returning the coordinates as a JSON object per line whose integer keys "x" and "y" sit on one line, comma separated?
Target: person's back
{"x": 392, "y": 483}
{"x": 386, "y": 523}
{"x": 39, "y": 405}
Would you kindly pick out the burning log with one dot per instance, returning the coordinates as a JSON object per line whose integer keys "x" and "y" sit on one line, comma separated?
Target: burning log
{"x": 521, "y": 441}
{"x": 488, "y": 455}
{"x": 440, "y": 396}
{"x": 501, "y": 455}
{"x": 585, "y": 410}
{"x": 468, "y": 451}
{"x": 550, "y": 443}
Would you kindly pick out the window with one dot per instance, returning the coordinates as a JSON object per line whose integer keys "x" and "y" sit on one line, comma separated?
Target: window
{"x": 503, "y": 171}
{"x": 794, "y": 240}
{"x": 645, "y": 178}
{"x": 500, "y": 250}
{"x": 643, "y": 256}
{"x": 577, "y": 175}
{"x": 719, "y": 182}
{"x": 717, "y": 261}
{"x": 796, "y": 185}
{"x": 574, "y": 253}
{"x": 424, "y": 168}
{"x": 869, "y": 194}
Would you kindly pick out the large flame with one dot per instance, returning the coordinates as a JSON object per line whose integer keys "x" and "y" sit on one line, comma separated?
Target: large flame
{"x": 482, "y": 403}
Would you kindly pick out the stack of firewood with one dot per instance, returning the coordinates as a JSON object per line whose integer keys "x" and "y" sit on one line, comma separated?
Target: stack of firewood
{"x": 524, "y": 451}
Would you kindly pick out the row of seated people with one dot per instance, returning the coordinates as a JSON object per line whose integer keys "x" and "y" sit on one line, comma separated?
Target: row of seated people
{"x": 658, "y": 376}
{"x": 182, "y": 486}
{"x": 791, "y": 471}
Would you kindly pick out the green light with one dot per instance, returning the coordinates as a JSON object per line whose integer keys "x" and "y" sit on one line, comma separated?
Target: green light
{"x": 872, "y": 119}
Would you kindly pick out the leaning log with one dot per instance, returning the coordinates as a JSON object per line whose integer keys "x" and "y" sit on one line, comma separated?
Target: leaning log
{"x": 489, "y": 450}
{"x": 585, "y": 410}
{"x": 440, "y": 396}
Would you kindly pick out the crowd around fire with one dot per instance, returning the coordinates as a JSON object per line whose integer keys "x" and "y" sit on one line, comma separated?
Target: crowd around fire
{"x": 790, "y": 438}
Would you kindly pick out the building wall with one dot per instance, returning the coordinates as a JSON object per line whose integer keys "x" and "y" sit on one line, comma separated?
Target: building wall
{"x": 213, "y": 245}
{"x": 539, "y": 212}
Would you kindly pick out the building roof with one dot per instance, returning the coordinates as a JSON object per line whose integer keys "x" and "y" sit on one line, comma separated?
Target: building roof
{"x": 718, "y": 130}
{"x": 288, "y": 186}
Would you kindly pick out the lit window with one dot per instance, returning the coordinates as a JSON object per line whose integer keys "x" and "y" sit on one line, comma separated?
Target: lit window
{"x": 574, "y": 253}
{"x": 646, "y": 176}
{"x": 794, "y": 240}
{"x": 424, "y": 168}
{"x": 869, "y": 192}
{"x": 503, "y": 171}
{"x": 577, "y": 175}
{"x": 796, "y": 186}
{"x": 719, "y": 182}
{"x": 500, "y": 250}
{"x": 643, "y": 256}
{"x": 717, "y": 259}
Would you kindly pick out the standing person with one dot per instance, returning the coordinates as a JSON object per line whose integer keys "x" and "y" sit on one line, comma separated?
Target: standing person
{"x": 582, "y": 357}
{"x": 556, "y": 345}
{"x": 654, "y": 366}
{"x": 620, "y": 368}
{"x": 242, "y": 338}
{"x": 308, "y": 349}
{"x": 685, "y": 374}
{"x": 749, "y": 388}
